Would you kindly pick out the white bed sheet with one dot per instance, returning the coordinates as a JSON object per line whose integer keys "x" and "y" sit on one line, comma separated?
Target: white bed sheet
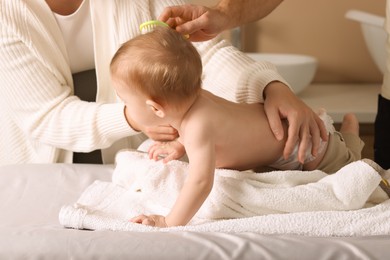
{"x": 32, "y": 195}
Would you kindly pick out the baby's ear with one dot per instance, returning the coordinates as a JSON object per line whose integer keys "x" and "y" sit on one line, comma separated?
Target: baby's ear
{"x": 157, "y": 109}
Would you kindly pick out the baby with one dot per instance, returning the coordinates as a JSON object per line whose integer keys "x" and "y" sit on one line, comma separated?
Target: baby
{"x": 158, "y": 77}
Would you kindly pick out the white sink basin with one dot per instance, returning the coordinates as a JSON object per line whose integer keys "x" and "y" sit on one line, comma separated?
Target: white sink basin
{"x": 374, "y": 35}
{"x": 298, "y": 70}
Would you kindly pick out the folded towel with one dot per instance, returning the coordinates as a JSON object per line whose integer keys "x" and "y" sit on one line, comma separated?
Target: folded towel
{"x": 294, "y": 202}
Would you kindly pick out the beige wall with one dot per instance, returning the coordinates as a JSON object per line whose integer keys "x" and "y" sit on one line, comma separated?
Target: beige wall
{"x": 204, "y": 2}
{"x": 317, "y": 28}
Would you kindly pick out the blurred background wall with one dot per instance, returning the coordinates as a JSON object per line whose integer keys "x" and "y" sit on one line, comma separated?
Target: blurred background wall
{"x": 317, "y": 28}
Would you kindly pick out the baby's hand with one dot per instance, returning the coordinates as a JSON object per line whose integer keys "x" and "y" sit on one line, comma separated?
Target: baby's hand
{"x": 173, "y": 150}
{"x": 152, "y": 220}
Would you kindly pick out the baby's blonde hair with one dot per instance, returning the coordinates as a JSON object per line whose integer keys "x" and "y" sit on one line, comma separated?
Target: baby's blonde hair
{"x": 161, "y": 64}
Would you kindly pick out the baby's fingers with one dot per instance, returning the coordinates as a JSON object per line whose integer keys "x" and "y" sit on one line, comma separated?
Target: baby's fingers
{"x": 138, "y": 219}
{"x": 170, "y": 157}
{"x": 144, "y": 220}
{"x": 157, "y": 151}
{"x": 149, "y": 222}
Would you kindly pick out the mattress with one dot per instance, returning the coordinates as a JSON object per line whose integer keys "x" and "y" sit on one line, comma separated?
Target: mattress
{"x": 31, "y": 196}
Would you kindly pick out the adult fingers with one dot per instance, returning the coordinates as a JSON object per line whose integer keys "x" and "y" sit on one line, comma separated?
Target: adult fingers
{"x": 275, "y": 122}
{"x": 161, "y": 133}
{"x": 294, "y": 129}
{"x": 171, "y": 12}
{"x": 304, "y": 142}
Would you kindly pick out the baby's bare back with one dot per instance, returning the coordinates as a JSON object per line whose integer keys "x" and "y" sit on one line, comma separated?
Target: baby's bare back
{"x": 242, "y": 134}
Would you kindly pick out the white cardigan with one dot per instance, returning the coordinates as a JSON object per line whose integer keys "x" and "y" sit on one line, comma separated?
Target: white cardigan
{"x": 41, "y": 121}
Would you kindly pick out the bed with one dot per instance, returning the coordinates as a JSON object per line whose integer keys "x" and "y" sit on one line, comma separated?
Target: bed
{"x": 32, "y": 196}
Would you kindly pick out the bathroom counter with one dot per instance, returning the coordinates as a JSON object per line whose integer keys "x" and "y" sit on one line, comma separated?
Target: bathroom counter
{"x": 339, "y": 99}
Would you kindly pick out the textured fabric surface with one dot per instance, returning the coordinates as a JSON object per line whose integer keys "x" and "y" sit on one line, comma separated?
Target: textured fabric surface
{"x": 317, "y": 204}
{"x": 31, "y": 196}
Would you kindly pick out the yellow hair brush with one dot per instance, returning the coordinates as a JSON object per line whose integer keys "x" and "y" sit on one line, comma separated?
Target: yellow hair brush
{"x": 152, "y": 24}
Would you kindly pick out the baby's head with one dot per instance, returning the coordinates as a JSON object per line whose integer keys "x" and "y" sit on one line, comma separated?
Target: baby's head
{"x": 161, "y": 64}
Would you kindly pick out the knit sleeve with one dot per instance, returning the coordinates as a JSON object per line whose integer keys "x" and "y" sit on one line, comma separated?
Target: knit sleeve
{"x": 233, "y": 75}
{"x": 36, "y": 89}
{"x": 228, "y": 72}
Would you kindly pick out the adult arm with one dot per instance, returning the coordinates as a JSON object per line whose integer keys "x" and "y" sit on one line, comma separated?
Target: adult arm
{"x": 232, "y": 75}
{"x": 36, "y": 88}
{"x": 203, "y": 23}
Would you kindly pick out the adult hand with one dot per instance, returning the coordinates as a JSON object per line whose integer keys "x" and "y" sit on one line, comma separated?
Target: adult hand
{"x": 199, "y": 22}
{"x": 157, "y": 133}
{"x": 161, "y": 133}
{"x": 304, "y": 123}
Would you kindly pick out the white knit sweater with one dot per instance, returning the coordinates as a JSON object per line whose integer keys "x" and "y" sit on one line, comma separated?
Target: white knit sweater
{"x": 41, "y": 121}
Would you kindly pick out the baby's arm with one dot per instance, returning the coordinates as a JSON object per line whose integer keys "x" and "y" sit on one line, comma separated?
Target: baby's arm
{"x": 197, "y": 185}
{"x": 172, "y": 150}
{"x": 192, "y": 195}
{"x": 201, "y": 153}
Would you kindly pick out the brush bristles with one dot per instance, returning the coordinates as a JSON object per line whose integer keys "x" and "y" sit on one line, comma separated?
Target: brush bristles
{"x": 151, "y": 25}
{"x": 147, "y": 28}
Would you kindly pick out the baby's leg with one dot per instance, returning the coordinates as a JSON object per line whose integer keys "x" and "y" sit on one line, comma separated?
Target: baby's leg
{"x": 350, "y": 132}
{"x": 350, "y": 124}
{"x": 343, "y": 147}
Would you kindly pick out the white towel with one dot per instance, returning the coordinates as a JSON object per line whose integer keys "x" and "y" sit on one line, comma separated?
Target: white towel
{"x": 346, "y": 203}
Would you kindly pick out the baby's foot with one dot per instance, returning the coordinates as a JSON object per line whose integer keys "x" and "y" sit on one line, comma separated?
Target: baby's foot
{"x": 350, "y": 124}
